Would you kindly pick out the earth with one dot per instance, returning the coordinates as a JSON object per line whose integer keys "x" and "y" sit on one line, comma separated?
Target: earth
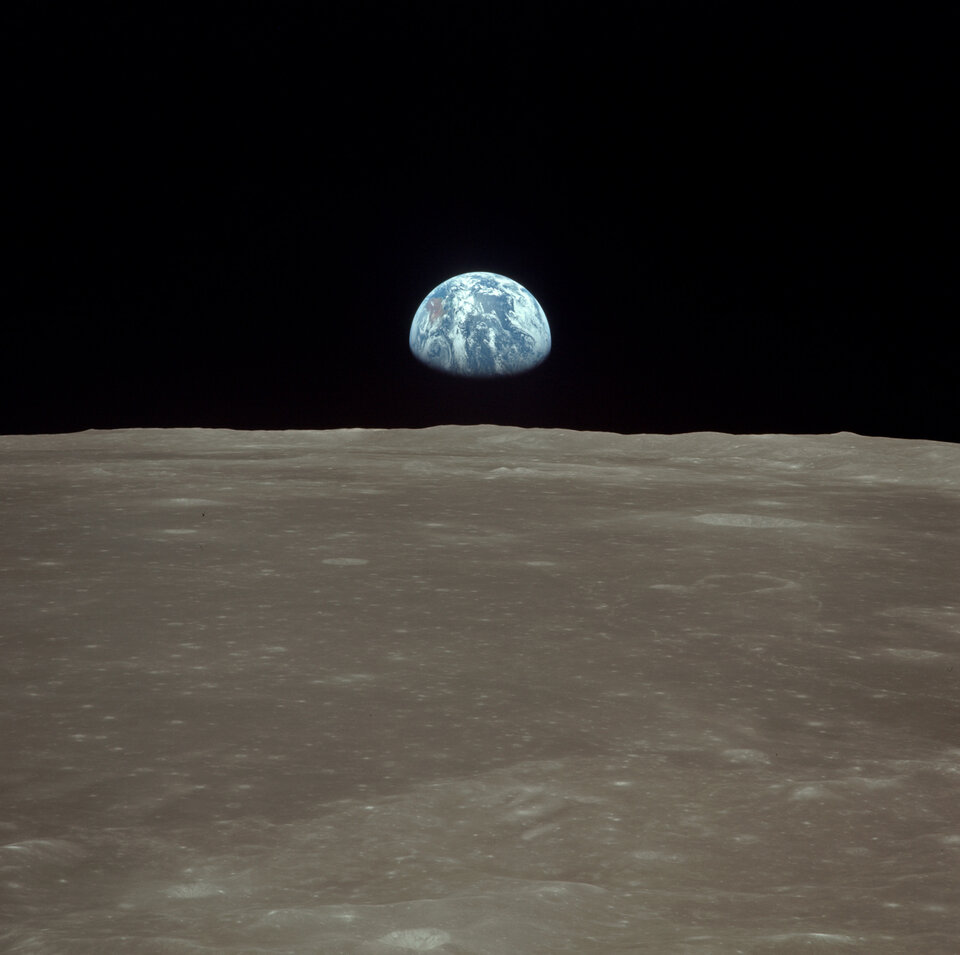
{"x": 480, "y": 325}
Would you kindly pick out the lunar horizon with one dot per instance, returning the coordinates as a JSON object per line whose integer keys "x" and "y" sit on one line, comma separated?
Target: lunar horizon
{"x": 479, "y": 690}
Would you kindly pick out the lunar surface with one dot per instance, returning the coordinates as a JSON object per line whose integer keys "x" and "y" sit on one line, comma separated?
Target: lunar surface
{"x": 479, "y": 691}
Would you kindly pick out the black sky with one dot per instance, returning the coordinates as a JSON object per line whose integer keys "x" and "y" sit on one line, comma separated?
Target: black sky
{"x": 735, "y": 216}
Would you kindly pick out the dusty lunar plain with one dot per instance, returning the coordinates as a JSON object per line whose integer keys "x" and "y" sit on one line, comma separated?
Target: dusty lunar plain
{"x": 479, "y": 690}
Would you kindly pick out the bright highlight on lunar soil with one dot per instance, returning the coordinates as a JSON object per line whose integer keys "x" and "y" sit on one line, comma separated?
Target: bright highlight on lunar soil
{"x": 480, "y": 325}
